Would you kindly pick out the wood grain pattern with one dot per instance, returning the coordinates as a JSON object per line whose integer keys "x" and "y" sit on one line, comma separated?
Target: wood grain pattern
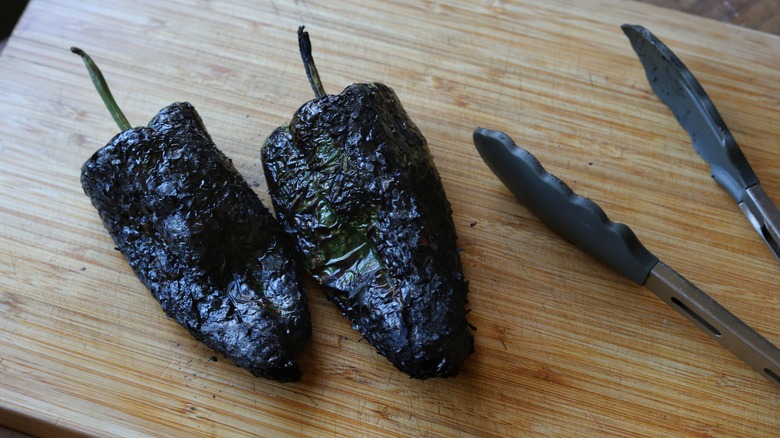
{"x": 564, "y": 346}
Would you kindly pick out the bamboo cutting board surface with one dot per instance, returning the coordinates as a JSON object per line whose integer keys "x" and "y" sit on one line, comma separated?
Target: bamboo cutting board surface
{"x": 564, "y": 346}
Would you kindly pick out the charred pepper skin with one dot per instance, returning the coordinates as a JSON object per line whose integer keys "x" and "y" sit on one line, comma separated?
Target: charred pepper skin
{"x": 202, "y": 242}
{"x": 353, "y": 180}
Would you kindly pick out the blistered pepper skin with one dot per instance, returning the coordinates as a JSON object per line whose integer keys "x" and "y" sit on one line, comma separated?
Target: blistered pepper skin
{"x": 353, "y": 181}
{"x": 202, "y": 242}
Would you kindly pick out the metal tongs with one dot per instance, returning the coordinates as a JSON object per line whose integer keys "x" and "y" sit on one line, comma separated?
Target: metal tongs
{"x": 585, "y": 224}
{"x": 676, "y": 86}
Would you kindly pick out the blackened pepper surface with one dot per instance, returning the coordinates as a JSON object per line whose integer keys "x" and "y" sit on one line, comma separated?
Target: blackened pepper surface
{"x": 353, "y": 180}
{"x": 202, "y": 242}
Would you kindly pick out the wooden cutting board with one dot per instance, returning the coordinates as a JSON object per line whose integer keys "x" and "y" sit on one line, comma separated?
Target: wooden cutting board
{"x": 564, "y": 346}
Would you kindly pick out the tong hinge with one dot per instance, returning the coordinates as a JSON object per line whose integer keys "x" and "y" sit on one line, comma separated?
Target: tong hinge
{"x": 763, "y": 215}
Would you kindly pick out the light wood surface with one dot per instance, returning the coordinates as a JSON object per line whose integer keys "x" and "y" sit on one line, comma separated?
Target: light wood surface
{"x": 564, "y": 346}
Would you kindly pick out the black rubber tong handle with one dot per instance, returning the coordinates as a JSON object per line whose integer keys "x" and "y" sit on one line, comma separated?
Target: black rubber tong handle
{"x": 585, "y": 224}
{"x": 577, "y": 219}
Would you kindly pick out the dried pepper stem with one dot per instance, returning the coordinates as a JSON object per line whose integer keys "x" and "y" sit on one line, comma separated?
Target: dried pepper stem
{"x": 304, "y": 46}
{"x": 102, "y": 88}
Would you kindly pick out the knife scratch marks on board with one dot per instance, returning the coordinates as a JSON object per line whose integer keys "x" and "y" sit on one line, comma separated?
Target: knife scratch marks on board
{"x": 13, "y": 267}
{"x": 383, "y": 413}
{"x": 548, "y": 374}
{"x": 313, "y": 401}
{"x": 502, "y": 332}
{"x": 298, "y": 3}
{"x": 165, "y": 371}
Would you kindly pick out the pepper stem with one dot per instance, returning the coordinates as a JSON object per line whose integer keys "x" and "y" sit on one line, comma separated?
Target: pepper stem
{"x": 102, "y": 88}
{"x": 304, "y": 46}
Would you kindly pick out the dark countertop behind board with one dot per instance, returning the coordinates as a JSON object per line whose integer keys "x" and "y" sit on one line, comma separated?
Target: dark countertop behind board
{"x": 763, "y": 15}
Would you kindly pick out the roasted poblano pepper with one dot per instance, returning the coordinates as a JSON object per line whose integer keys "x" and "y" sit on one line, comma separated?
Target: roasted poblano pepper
{"x": 199, "y": 238}
{"x": 352, "y": 179}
